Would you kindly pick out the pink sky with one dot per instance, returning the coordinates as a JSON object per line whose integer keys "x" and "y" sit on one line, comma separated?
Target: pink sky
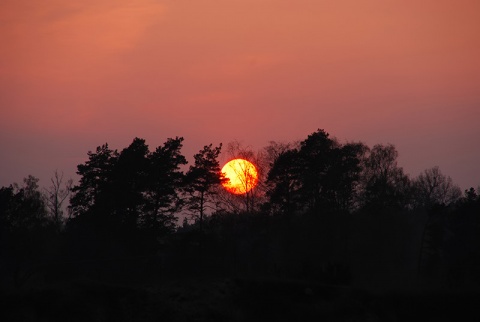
{"x": 74, "y": 75}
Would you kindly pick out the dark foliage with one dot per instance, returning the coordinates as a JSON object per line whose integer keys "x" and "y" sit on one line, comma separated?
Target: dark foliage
{"x": 320, "y": 176}
{"x": 202, "y": 179}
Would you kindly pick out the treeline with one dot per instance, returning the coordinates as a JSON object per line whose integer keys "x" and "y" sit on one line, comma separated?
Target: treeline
{"x": 325, "y": 211}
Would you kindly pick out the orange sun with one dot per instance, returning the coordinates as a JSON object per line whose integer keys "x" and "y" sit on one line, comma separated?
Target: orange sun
{"x": 242, "y": 175}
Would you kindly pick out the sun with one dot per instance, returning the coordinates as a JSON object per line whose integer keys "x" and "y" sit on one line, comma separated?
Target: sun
{"x": 242, "y": 175}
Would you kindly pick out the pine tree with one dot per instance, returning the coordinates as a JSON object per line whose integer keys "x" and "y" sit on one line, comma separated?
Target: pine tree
{"x": 201, "y": 180}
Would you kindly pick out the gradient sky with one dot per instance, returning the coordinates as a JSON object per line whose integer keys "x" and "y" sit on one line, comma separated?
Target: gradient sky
{"x": 77, "y": 74}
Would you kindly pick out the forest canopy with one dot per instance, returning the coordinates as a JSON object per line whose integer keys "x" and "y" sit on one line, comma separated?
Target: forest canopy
{"x": 322, "y": 210}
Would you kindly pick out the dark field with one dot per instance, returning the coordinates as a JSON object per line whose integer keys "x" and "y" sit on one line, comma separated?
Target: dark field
{"x": 233, "y": 300}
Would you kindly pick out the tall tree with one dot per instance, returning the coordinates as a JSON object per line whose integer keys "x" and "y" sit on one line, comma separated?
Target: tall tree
{"x": 131, "y": 189}
{"x": 129, "y": 182}
{"x": 201, "y": 180}
{"x": 321, "y": 175}
{"x": 316, "y": 159}
{"x": 342, "y": 179}
{"x": 385, "y": 185}
{"x": 95, "y": 187}
{"x": 55, "y": 196}
{"x": 284, "y": 182}
{"x": 164, "y": 182}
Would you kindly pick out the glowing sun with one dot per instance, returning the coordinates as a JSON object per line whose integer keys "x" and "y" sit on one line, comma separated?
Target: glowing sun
{"x": 242, "y": 175}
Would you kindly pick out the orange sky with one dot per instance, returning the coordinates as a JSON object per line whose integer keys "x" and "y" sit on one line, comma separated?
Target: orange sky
{"x": 74, "y": 75}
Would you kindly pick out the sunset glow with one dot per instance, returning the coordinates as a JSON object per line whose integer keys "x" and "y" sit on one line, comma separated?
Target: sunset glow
{"x": 242, "y": 175}
{"x": 293, "y": 160}
{"x": 75, "y": 75}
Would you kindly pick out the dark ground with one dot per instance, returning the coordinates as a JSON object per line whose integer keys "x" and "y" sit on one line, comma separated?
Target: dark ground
{"x": 237, "y": 299}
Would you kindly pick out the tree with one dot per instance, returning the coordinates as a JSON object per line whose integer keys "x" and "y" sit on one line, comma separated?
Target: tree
{"x": 133, "y": 189}
{"x": 254, "y": 194}
{"x": 470, "y": 195}
{"x": 274, "y": 150}
{"x": 329, "y": 172}
{"x": 384, "y": 182}
{"x": 55, "y": 196}
{"x": 342, "y": 180}
{"x": 27, "y": 209}
{"x": 432, "y": 187}
{"x": 22, "y": 207}
{"x": 94, "y": 189}
{"x": 164, "y": 182}
{"x": 321, "y": 175}
{"x": 129, "y": 182}
{"x": 6, "y": 201}
{"x": 284, "y": 182}
{"x": 315, "y": 160}
{"x": 25, "y": 229}
{"x": 111, "y": 185}
{"x": 201, "y": 180}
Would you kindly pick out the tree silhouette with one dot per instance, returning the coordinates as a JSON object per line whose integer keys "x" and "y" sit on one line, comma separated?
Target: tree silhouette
{"x": 131, "y": 189}
{"x": 129, "y": 181}
{"x": 471, "y": 195}
{"x": 342, "y": 179}
{"x": 254, "y": 188}
{"x": 25, "y": 225}
{"x": 384, "y": 182}
{"x": 6, "y": 200}
{"x": 201, "y": 180}
{"x": 315, "y": 160}
{"x": 94, "y": 189}
{"x": 321, "y": 174}
{"x": 55, "y": 196}
{"x": 164, "y": 182}
{"x": 126, "y": 204}
{"x": 433, "y": 187}
{"x": 27, "y": 207}
{"x": 284, "y": 182}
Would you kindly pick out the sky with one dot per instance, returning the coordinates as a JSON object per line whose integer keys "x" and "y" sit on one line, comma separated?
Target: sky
{"x": 77, "y": 74}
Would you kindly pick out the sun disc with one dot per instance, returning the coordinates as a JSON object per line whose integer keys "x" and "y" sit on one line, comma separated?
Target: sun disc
{"x": 242, "y": 175}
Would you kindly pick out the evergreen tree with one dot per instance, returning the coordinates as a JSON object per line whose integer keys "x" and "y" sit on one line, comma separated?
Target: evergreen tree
{"x": 201, "y": 180}
{"x": 321, "y": 175}
{"x": 164, "y": 182}
{"x": 94, "y": 190}
{"x": 284, "y": 182}
{"x": 129, "y": 182}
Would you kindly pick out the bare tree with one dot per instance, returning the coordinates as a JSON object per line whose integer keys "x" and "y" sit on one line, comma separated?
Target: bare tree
{"x": 253, "y": 195}
{"x": 433, "y": 187}
{"x": 55, "y": 196}
{"x": 385, "y": 185}
{"x": 274, "y": 149}
{"x": 269, "y": 155}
